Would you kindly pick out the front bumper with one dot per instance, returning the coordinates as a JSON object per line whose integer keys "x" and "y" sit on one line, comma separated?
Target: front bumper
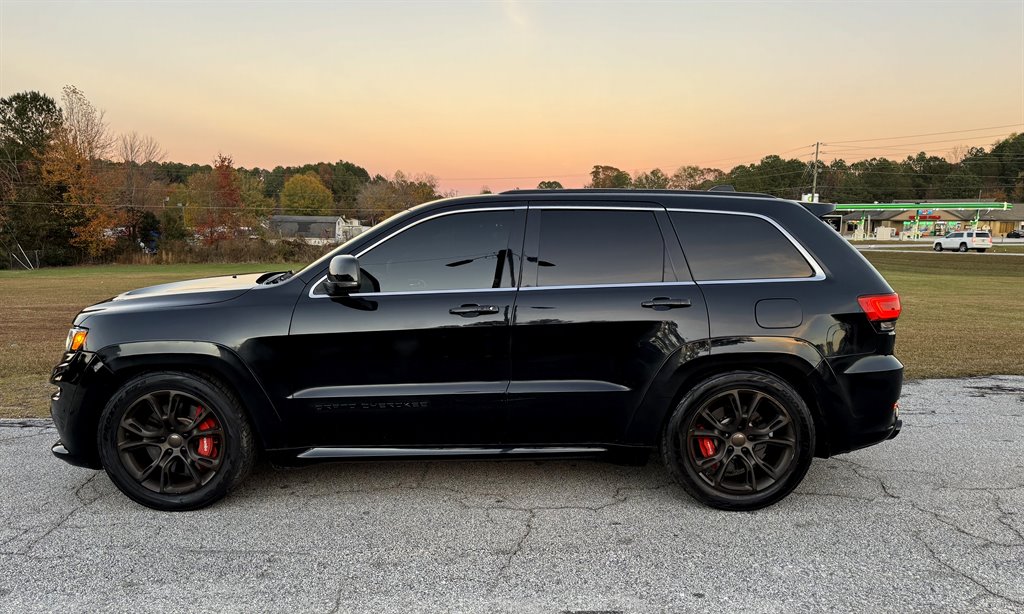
{"x": 72, "y": 410}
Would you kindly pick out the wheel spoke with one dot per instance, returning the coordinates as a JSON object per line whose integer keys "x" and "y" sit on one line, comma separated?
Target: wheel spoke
{"x": 133, "y": 426}
{"x": 787, "y": 443}
{"x": 716, "y": 481}
{"x": 748, "y": 473}
{"x": 712, "y": 420}
{"x": 126, "y": 446}
{"x": 209, "y": 433}
{"x": 200, "y": 417}
{"x": 157, "y": 462}
{"x": 772, "y": 472}
{"x": 196, "y": 482}
{"x": 165, "y": 473}
{"x": 736, "y": 407}
{"x": 777, "y": 423}
{"x": 704, "y": 463}
{"x": 707, "y": 433}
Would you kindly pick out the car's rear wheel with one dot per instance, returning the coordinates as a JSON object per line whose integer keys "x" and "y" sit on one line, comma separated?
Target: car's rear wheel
{"x": 982, "y": 251}
{"x": 963, "y": 247}
{"x": 175, "y": 441}
{"x": 739, "y": 441}
{"x": 938, "y": 247}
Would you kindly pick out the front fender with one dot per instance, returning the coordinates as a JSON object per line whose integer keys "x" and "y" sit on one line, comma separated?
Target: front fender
{"x": 123, "y": 360}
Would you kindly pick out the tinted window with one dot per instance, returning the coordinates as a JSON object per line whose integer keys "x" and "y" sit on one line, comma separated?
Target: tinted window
{"x": 586, "y": 247}
{"x": 956, "y": 235}
{"x": 463, "y": 250}
{"x": 721, "y": 246}
{"x": 981, "y": 235}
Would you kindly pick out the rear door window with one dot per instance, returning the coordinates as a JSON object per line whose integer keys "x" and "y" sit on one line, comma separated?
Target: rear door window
{"x": 598, "y": 247}
{"x": 737, "y": 247}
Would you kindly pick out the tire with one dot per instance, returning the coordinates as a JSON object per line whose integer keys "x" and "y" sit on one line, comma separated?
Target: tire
{"x": 963, "y": 247}
{"x": 982, "y": 251}
{"x": 938, "y": 247}
{"x": 175, "y": 441}
{"x": 741, "y": 482}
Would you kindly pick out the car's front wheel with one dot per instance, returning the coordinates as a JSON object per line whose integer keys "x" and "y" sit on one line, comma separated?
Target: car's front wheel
{"x": 739, "y": 441}
{"x": 963, "y": 247}
{"x": 175, "y": 441}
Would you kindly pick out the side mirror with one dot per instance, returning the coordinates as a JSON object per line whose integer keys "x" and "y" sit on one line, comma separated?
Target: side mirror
{"x": 342, "y": 275}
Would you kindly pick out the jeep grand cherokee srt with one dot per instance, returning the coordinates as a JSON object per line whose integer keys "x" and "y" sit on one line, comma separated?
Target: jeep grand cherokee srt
{"x": 736, "y": 334}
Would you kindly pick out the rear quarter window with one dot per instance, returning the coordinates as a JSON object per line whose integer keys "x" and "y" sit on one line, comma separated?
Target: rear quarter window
{"x": 721, "y": 246}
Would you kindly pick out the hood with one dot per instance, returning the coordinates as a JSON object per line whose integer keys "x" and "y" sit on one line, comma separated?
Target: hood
{"x": 181, "y": 293}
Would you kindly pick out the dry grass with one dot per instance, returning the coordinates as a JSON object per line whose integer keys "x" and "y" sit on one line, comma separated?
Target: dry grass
{"x": 963, "y": 315}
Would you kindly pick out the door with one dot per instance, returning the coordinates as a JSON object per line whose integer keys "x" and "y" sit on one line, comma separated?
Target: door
{"x": 605, "y": 302}
{"x": 419, "y": 356}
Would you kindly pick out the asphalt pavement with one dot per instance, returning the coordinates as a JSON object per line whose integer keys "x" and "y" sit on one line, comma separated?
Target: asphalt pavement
{"x": 932, "y": 521}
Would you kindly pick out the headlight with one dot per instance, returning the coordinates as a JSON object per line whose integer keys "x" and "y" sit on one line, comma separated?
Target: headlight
{"x": 76, "y": 339}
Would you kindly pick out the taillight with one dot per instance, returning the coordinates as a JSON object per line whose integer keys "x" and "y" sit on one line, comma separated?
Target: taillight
{"x": 881, "y": 307}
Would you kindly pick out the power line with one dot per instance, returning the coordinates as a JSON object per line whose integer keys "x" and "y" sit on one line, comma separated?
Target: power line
{"x": 911, "y": 136}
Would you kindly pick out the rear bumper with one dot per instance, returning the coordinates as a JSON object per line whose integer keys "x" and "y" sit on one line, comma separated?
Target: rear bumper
{"x": 871, "y": 387}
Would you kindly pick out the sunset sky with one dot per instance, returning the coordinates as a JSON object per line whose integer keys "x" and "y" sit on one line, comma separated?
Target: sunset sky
{"x": 506, "y": 94}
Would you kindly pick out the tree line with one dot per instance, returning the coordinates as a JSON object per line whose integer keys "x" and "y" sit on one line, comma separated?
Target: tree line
{"x": 71, "y": 187}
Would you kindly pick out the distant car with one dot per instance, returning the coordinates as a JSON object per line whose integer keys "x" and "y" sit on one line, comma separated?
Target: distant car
{"x": 1014, "y": 234}
{"x": 964, "y": 240}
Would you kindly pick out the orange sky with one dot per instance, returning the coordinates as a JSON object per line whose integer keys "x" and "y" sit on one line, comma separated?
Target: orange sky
{"x": 505, "y": 94}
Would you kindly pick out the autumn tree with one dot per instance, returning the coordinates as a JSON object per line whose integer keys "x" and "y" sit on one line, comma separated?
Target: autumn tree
{"x": 306, "y": 195}
{"x": 29, "y": 122}
{"x": 654, "y": 180}
{"x": 609, "y": 177}
{"x": 550, "y": 185}
{"x": 383, "y": 197}
{"x": 70, "y": 166}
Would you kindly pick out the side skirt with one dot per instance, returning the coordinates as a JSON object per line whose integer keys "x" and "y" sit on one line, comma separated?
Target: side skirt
{"x": 359, "y": 452}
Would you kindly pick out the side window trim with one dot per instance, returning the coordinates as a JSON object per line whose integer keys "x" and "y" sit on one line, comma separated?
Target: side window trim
{"x": 518, "y": 220}
{"x": 819, "y": 273}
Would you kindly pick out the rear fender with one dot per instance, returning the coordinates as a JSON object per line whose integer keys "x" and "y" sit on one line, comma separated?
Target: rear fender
{"x": 794, "y": 360}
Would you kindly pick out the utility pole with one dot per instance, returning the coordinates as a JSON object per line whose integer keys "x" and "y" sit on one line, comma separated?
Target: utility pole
{"x": 814, "y": 181}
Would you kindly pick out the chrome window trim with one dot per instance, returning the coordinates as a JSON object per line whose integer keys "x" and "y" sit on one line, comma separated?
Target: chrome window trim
{"x": 819, "y": 273}
{"x": 630, "y": 285}
{"x": 400, "y": 231}
{"x": 586, "y": 207}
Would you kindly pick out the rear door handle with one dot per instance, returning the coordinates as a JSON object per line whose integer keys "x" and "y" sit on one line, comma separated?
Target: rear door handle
{"x": 662, "y": 302}
{"x": 473, "y": 310}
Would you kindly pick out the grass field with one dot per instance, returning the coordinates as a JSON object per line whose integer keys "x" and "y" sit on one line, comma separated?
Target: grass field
{"x": 963, "y": 314}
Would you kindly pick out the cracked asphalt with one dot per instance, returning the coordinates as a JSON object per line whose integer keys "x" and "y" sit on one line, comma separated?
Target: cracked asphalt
{"x": 932, "y": 521}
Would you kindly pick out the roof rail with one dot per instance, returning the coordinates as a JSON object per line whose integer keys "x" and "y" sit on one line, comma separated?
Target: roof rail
{"x": 722, "y": 188}
{"x": 819, "y": 209}
{"x": 632, "y": 191}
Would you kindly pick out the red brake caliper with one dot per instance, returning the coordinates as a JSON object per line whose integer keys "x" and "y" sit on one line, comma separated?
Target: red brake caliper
{"x": 206, "y": 446}
{"x": 707, "y": 446}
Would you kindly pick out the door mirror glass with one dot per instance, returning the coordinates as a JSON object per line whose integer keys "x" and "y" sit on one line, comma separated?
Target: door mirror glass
{"x": 342, "y": 275}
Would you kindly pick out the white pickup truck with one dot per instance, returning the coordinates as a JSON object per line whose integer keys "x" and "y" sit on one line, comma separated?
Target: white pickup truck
{"x": 964, "y": 240}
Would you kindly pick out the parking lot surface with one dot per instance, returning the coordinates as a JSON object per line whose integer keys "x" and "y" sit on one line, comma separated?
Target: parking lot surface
{"x": 932, "y": 521}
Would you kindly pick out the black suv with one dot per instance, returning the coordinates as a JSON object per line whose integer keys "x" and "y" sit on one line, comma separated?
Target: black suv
{"x": 735, "y": 333}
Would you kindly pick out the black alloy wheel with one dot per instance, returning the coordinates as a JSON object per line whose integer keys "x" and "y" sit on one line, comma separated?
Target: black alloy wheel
{"x": 740, "y": 441}
{"x": 170, "y": 442}
{"x": 175, "y": 441}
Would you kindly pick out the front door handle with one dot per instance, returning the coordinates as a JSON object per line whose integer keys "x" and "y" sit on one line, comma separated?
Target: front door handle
{"x": 467, "y": 311}
{"x": 661, "y": 303}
